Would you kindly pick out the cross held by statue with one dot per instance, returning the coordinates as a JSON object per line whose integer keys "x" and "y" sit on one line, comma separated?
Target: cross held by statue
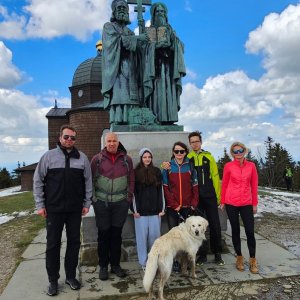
{"x": 140, "y": 9}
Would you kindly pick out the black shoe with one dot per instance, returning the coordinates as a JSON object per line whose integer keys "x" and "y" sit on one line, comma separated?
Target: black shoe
{"x": 218, "y": 259}
{"x": 103, "y": 273}
{"x": 201, "y": 260}
{"x": 176, "y": 267}
{"x": 73, "y": 283}
{"x": 52, "y": 288}
{"x": 118, "y": 271}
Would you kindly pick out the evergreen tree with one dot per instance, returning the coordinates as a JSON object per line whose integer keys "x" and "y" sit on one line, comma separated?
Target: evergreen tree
{"x": 273, "y": 165}
{"x": 5, "y": 179}
{"x": 222, "y": 161}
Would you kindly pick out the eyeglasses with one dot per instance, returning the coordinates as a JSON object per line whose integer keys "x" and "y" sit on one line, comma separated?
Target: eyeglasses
{"x": 71, "y": 137}
{"x": 179, "y": 151}
{"x": 242, "y": 150}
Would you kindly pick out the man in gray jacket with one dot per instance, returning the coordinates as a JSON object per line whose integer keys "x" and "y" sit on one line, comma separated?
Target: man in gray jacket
{"x": 62, "y": 188}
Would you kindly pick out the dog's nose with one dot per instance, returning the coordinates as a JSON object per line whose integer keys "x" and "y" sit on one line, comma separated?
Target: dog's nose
{"x": 197, "y": 232}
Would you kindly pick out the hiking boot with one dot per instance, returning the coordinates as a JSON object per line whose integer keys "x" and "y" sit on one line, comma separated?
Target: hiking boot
{"x": 118, "y": 271}
{"x": 253, "y": 265}
{"x": 52, "y": 288}
{"x": 218, "y": 260}
{"x": 103, "y": 273}
{"x": 176, "y": 267}
{"x": 240, "y": 263}
{"x": 201, "y": 260}
{"x": 73, "y": 283}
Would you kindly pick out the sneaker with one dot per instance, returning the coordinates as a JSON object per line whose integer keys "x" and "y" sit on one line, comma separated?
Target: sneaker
{"x": 73, "y": 283}
{"x": 103, "y": 273}
{"x": 52, "y": 288}
{"x": 218, "y": 259}
{"x": 176, "y": 267}
{"x": 201, "y": 260}
{"x": 118, "y": 271}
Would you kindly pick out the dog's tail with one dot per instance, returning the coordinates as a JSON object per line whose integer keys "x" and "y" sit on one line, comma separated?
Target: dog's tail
{"x": 151, "y": 268}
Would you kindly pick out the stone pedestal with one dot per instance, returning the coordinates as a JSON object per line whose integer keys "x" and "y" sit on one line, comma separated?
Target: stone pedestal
{"x": 160, "y": 144}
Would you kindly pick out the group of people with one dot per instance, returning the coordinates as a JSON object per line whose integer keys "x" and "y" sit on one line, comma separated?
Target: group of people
{"x": 66, "y": 184}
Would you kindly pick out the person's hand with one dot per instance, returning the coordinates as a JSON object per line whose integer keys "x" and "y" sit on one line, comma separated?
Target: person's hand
{"x": 177, "y": 208}
{"x": 163, "y": 44}
{"x": 143, "y": 37}
{"x": 192, "y": 208}
{"x": 162, "y": 213}
{"x": 137, "y": 215}
{"x": 42, "y": 212}
{"x": 166, "y": 165}
{"x": 222, "y": 206}
{"x": 85, "y": 210}
{"x": 254, "y": 210}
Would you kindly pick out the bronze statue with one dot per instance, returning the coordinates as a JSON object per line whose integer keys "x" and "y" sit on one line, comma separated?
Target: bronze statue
{"x": 141, "y": 74}
{"x": 119, "y": 82}
{"x": 164, "y": 67}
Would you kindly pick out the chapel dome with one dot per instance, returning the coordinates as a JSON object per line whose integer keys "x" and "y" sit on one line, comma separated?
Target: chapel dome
{"x": 89, "y": 71}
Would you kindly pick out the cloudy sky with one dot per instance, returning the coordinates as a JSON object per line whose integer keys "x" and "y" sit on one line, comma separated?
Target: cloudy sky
{"x": 242, "y": 58}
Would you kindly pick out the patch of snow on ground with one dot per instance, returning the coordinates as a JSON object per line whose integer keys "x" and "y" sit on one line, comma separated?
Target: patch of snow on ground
{"x": 279, "y": 203}
{"x": 5, "y": 218}
{"x": 11, "y": 191}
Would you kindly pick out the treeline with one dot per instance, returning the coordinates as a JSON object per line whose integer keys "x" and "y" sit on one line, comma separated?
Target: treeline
{"x": 271, "y": 163}
{"x": 10, "y": 179}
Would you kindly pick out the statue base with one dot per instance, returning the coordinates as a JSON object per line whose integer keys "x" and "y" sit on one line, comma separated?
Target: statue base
{"x": 145, "y": 128}
{"x": 142, "y": 119}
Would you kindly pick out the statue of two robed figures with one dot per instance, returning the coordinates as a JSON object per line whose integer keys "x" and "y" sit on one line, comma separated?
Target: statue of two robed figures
{"x": 141, "y": 74}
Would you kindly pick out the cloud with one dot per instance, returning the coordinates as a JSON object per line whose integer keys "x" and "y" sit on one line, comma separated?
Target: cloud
{"x": 187, "y": 6}
{"x": 232, "y": 106}
{"x": 278, "y": 40}
{"x": 10, "y": 75}
{"x": 55, "y": 18}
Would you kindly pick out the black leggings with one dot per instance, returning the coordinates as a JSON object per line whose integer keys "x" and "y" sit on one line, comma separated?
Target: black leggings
{"x": 246, "y": 213}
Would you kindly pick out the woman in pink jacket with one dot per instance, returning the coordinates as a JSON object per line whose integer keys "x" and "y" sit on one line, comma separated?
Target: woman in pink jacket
{"x": 239, "y": 197}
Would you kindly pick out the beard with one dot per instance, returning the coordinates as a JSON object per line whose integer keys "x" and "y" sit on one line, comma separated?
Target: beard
{"x": 160, "y": 20}
{"x": 122, "y": 17}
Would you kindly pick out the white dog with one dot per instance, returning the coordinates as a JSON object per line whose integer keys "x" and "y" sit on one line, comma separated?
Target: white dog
{"x": 185, "y": 238}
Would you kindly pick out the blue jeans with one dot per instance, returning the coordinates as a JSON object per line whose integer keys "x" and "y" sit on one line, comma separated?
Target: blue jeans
{"x": 147, "y": 230}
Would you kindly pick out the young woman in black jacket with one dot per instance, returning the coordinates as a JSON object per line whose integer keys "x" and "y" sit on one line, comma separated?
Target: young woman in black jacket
{"x": 148, "y": 204}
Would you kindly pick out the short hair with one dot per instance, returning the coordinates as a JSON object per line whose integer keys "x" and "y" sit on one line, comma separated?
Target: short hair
{"x": 111, "y": 133}
{"x": 66, "y": 126}
{"x": 238, "y": 144}
{"x": 196, "y": 133}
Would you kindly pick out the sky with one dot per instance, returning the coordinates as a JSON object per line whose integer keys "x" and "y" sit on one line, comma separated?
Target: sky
{"x": 242, "y": 60}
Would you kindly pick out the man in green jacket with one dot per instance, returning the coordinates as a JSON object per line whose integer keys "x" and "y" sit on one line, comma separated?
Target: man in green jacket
{"x": 209, "y": 195}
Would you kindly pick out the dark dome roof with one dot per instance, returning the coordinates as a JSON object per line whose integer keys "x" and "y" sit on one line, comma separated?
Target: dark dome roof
{"x": 89, "y": 71}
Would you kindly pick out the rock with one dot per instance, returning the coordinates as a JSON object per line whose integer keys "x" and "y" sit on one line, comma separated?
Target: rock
{"x": 287, "y": 286}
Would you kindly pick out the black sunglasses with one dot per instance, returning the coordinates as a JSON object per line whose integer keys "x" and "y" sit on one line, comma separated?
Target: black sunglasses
{"x": 242, "y": 150}
{"x": 179, "y": 151}
{"x": 72, "y": 137}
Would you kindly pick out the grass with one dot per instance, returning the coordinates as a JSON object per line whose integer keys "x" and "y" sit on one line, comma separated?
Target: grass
{"x": 17, "y": 203}
{"x": 17, "y": 234}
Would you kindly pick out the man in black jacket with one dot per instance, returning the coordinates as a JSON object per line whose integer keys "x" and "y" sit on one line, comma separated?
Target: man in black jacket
{"x": 62, "y": 188}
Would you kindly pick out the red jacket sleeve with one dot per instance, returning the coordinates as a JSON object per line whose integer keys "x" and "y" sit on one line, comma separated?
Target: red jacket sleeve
{"x": 225, "y": 181}
{"x": 254, "y": 186}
